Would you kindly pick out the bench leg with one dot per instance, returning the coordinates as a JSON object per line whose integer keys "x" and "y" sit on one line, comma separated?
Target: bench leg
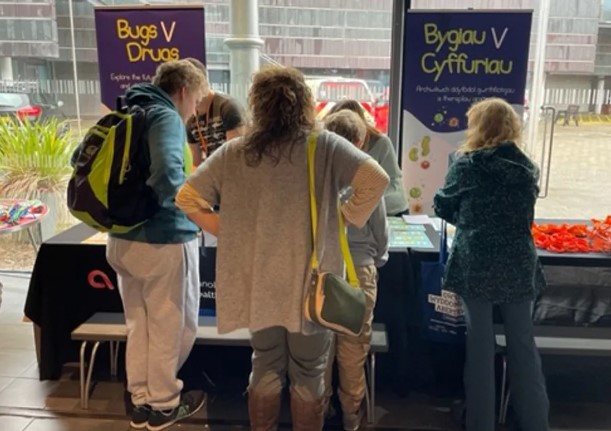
{"x": 505, "y": 394}
{"x": 82, "y": 374}
{"x": 370, "y": 389}
{"x": 85, "y": 382}
{"x": 114, "y": 358}
{"x": 506, "y": 406}
{"x": 503, "y": 389}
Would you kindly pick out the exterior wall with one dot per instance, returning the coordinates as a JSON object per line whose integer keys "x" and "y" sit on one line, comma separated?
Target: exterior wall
{"x": 28, "y": 30}
{"x": 572, "y": 31}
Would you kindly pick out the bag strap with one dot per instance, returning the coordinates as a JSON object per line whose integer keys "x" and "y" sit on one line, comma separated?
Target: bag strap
{"x": 343, "y": 239}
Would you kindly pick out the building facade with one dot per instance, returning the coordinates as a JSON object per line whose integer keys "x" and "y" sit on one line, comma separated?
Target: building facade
{"x": 28, "y": 39}
{"x": 349, "y": 38}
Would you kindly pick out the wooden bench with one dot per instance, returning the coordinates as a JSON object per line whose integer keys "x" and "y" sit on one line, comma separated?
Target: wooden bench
{"x": 555, "y": 340}
{"x": 110, "y": 328}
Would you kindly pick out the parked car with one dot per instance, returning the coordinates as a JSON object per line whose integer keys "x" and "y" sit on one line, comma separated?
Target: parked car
{"x": 33, "y": 106}
{"x": 328, "y": 91}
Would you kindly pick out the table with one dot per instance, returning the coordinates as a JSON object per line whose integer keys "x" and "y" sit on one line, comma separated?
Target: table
{"x": 70, "y": 282}
{"x": 566, "y": 272}
{"x": 28, "y": 224}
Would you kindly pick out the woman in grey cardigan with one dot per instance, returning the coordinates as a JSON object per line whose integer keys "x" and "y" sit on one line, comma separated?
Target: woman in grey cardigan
{"x": 489, "y": 195}
{"x": 379, "y": 146}
{"x": 263, "y": 227}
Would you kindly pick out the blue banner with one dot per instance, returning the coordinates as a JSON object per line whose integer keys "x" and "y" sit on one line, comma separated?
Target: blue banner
{"x": 451, "y": 60}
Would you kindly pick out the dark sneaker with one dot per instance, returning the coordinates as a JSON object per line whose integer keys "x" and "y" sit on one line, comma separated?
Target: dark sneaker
{"x": 140, "y": 417}
{"x": 190, "y": 403}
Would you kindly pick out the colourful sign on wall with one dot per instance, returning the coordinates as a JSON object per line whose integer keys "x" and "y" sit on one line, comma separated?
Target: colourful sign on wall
{"x": 133, "y": 41}
{"x": 451, "y": 60}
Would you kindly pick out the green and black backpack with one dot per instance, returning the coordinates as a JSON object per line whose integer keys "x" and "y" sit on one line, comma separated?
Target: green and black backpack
{"x": 108, "y": 189}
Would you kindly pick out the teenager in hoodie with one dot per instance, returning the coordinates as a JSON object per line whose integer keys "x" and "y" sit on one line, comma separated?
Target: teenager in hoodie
{"x": 157, "y": 263}
{"x": 489, "y": 195}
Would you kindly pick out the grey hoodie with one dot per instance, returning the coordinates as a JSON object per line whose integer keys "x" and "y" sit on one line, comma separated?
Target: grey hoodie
{"x": 369, "y": 245}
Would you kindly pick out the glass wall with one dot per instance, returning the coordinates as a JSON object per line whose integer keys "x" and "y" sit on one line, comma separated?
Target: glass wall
{"x": 343, "y": 47}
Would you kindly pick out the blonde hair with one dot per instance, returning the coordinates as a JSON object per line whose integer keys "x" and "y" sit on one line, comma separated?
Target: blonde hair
{"x": 173, "y": 75}
{"x": 201, "y": 66}
{"x": 491, "y": 122}
{"x": 282, "y": 114}
{"x": 347, "y": 124}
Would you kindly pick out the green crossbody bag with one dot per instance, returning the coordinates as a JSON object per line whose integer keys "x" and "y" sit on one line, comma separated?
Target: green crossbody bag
{"x": 332, "y": 301}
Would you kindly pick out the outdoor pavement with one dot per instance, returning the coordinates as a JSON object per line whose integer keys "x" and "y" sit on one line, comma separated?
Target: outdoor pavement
{"x": 580, "y": 173}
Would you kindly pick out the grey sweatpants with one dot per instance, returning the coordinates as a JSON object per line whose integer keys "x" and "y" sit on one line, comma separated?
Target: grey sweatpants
{"x": 277, "y": 351}
{"x": 159, "y": 287}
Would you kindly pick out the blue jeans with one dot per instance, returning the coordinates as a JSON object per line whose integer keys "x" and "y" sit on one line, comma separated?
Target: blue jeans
{"x": 529, "y": 396}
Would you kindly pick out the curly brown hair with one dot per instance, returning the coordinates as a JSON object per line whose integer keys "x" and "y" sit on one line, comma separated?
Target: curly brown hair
{"x": 282, "y": 114}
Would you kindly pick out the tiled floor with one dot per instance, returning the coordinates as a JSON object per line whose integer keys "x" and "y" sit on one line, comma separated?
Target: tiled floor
{"x": 580, "y": 390}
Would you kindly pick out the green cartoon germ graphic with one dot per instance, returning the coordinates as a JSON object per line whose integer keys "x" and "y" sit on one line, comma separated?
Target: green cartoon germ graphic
{"x": 413, "y": 154}
{"x": 426, "y": 145}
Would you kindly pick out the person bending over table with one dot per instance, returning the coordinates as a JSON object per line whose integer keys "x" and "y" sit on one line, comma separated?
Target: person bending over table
{"x": 265, "y": 240}
{"x": 489, "y": 195}
{"x": 369, "y": 250}
{"x": 218, "y": 119}
{"x": 379, "y": 146}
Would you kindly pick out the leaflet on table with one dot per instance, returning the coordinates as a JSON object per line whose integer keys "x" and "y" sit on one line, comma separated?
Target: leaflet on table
{"x": 97, "y": 238}
{"x": 403, "y": 235}
{"x": 399, "y": 224}
{"x": 409, "y": 239}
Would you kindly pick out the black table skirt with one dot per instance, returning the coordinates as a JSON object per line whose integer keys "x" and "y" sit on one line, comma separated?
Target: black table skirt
{"x": 61, "y": 297}
{"x": 70, "y": 282}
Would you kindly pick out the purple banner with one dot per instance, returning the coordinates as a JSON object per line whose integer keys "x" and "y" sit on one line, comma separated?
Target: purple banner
{"x": 132, "y": 42}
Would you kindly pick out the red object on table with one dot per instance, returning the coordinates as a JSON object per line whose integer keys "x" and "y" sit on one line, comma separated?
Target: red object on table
{"x": 574, "y": 238}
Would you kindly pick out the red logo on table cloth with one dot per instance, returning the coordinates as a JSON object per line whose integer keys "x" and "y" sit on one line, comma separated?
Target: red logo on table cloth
{"x": 99, "y": 280}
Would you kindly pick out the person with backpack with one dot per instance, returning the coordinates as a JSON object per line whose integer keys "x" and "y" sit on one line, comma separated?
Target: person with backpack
{"x": 157, "y": 262}
{"x": 489, "y": 195}
{"x": 265, "y": 243}
{"x": 369, "y": 250}
{"x": 219, "y": 118}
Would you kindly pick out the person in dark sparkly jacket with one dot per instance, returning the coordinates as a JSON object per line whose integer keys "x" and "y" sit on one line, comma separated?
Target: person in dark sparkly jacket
{"x": 489, "y": 195}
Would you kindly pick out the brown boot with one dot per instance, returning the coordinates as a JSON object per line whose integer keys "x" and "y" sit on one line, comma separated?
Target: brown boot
{"x": 264, "y": 411}
{"x": 307, "y": 415}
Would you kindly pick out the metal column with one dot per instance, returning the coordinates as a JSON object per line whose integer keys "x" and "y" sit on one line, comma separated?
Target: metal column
{"x": 396, "y": 73}
{"x": 245, "y": 45}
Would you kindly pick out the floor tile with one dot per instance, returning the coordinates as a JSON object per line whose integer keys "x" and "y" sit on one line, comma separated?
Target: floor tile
{"x": 14, "y": 423}
{"x": 32, "y": 371}
{"x": 13, "y": 363}
{"x": 17, "y": 337}
{"x": 4, "y": 382}
{"x": 106, "y": 397}
{"x": 26, "y": 393}
{"x": 11, "y": 314}
{"x": 77, "y": 424}
{"x": 575, "y": 416}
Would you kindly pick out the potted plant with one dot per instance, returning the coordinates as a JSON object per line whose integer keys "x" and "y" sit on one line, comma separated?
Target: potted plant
{"x": 35, "y": 164}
